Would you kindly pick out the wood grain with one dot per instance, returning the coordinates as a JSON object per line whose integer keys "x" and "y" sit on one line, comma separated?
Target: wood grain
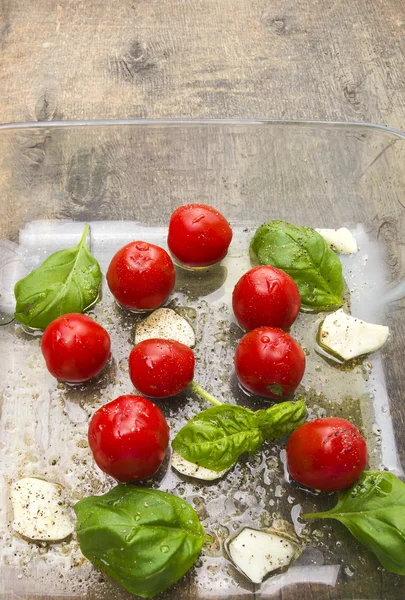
{"x": 333, "y": 59}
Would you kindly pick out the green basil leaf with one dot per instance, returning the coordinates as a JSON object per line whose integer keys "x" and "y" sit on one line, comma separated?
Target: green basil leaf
{"x": 216, "y": 437}
{"x": 305, "y": 256}
{"x": 67, "y": 281}
{"x": 374, "y": 512}
{"x": 280, "y": 420}
{"x": 143, "y": 538}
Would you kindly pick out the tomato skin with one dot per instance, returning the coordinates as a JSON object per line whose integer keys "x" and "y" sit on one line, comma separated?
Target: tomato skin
{"x": 199, "y": 236}
{"x": 268, "y": 357}
{"x": 141, "y": 276}
{"x": 75, "y": 348}
{"x": 326, "y": 454}
{"x": 266, "y": 296}
{"x": 161, "y": 368}
{"x": 128, "y": 438}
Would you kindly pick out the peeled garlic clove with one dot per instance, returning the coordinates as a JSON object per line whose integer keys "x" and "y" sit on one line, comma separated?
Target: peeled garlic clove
{"x": 40, "y": 513}
{"x": 349, "y": 337}
{"x": 185, "y": 467}
{"x": 165, "y": 323}
{"x": 257, "y": 553}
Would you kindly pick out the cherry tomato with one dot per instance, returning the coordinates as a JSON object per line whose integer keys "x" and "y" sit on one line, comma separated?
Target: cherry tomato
{"x": 141, "y": 276}
{"x": 128, "y": 438}
{"x": 161, "y": 368}
{"x": 75, "y": 348}
{"x": 266, "y": 296}
{"x": 269, "y": 362}
{"x": 326, "y": 454}
{"x": 199, "y": 236}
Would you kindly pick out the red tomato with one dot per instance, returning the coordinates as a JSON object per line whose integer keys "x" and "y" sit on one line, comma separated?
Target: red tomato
{"x": 128, "y": 438}
{"x": 269, "y": 362}
{"x": 326, "y": 454}
{"x": 266, "y": 296}
{"x": 75, "y": 348}
{"x": 199, "y": 236}
{"x": 161, "y": 368}
{"x": 141, "y": 276}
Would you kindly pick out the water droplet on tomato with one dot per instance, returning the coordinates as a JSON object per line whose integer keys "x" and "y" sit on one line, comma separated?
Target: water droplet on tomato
{"x": 265, "y": 339}
{"x": 197, "y": 219}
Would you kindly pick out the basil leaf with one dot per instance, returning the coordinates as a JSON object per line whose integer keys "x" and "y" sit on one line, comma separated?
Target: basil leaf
{"x": 67, "y": 281}
{"x": 216, "y": 437}
{"x": 305, "y": 256}
{"x": 374, "y": 512}
{"x": 280, "y": 420}
{"x": 143, "y": 538}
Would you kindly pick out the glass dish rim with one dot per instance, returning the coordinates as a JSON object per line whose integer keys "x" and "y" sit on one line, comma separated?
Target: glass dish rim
{"x": 200, "y": 122}
{"x": 173, "y": 126}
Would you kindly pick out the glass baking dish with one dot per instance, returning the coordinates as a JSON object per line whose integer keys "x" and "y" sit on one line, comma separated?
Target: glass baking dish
{"x": 125, "y": 178}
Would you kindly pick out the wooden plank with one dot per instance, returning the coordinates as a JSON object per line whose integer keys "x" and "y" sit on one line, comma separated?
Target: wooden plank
{"x": 341, "y": 59}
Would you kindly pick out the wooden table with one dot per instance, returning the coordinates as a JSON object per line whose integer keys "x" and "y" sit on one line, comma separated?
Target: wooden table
{"x": 292, "y": 59}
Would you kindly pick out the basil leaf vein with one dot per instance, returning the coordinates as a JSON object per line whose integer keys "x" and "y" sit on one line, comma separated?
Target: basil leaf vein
{"x": 145, "y": 539}
{"x": 305, "y": 256}
{"x": 282, "y": 419}
{"x": 374, "y": 512}
{"x": 216, "y": 437}
{"x": 67, "y": 281}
